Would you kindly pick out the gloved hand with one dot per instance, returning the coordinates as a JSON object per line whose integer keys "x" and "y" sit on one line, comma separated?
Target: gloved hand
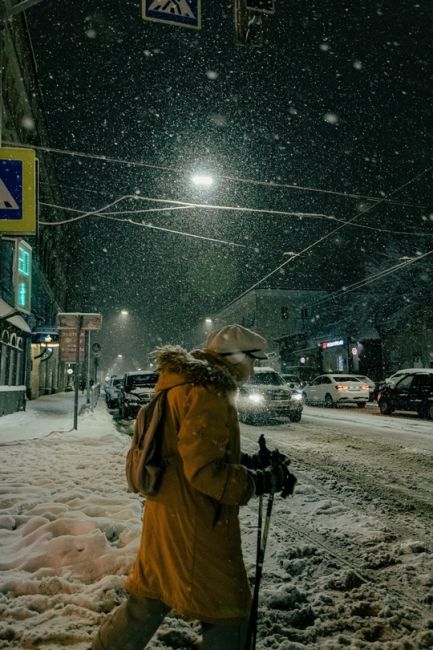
{"x": 275, "y": 478}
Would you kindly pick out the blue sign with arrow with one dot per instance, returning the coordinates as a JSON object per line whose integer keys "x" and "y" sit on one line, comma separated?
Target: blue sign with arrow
{"x": 18, "y": 196}
{"x": 184, "y": 13}
{"x": 11, "y": 189}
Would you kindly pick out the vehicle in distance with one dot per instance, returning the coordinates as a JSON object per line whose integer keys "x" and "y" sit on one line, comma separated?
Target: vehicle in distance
{"x": 136, "y": 390}
{"x": 413, "y": 392}
{"x": 292, "y": 380}
{"x": 267, "y": 395}
{"x": 112, "y": 390}
{"x": 336, "y": 389}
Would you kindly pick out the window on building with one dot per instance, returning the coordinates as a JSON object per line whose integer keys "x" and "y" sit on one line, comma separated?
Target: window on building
{"x": 285, "y": 313}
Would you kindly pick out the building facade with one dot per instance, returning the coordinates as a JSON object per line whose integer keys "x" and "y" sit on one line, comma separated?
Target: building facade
{"x": 273, "y": 313}
{"x": 28, "y": 368}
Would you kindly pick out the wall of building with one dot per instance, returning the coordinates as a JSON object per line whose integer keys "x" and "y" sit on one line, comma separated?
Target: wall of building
{"x": 23, "y": 122}
{"x": 273, "y": 313}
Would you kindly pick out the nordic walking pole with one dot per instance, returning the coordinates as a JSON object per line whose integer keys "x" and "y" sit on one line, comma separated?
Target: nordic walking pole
{"x": 261, "y": 548}
{"x": 259, "y": 530}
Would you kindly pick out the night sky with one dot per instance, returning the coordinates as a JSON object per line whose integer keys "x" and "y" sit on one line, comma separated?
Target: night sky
{"x": 339, "y": 98}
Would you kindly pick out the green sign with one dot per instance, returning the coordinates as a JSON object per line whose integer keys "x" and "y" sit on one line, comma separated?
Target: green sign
{"x": 23, "y": 277}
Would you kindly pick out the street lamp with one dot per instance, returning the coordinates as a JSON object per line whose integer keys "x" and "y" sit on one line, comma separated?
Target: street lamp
{"x": 120, "y": 356}
{"x": 208, "y": 321}
{"x": 124, "y": 312}
{"x": 203, "y": 180}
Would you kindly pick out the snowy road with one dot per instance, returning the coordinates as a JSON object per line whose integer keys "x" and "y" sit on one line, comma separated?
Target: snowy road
{"x": 349, "y": 562}
{"x": 355, "y": 541}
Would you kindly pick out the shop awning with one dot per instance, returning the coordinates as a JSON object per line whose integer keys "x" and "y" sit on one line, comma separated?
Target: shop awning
{"x": 16, "y": 320}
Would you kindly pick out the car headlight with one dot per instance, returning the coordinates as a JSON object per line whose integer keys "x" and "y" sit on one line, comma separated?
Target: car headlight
{"x": 256, "y": 398}
{"x": 297, "y": 396}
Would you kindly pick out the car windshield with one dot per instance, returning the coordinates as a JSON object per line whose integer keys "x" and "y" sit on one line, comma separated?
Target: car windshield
{"x": 341, "y": 378}
{"x": 267, "y": 378}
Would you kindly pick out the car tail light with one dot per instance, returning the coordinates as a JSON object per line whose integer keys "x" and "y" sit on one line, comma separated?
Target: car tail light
{"x": 341, "y": 387}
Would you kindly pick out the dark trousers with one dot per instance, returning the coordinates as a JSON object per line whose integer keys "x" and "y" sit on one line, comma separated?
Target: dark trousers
{"x": 134, "y": 623}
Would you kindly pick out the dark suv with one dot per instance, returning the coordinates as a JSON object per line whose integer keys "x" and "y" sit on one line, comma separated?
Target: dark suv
{"x": 137, "y": 389}
{"x": 412, "y": 393}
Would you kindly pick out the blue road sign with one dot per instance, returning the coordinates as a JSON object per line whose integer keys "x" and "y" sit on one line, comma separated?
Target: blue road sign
{"x": 11, "y": 189}
{"x": 184, "y": 13}
{"x": 18, "y": 197}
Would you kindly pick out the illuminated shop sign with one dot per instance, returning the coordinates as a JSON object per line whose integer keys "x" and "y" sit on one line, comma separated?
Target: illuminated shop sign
{"x": 332, "y": 344}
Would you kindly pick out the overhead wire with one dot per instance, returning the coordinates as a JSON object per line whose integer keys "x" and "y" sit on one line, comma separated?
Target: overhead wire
{"x": 324, "y": 237}
{"x": 372, "y": 278}
{"x": 227, "y": 208}
{"x": 236, "y": 179}
{"x": 99, "y": 213}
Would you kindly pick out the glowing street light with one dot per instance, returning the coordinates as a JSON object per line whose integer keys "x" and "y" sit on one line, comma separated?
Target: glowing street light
{"x": 208, "y": 321}
{"x": 124, "y": 312}
{"x": 120, "y": 356}
{"x": 203, "y": 180}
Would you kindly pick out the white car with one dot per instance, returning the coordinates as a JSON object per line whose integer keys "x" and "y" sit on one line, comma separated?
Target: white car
{"x": 370, "y": 383}
{"x": 334, "y": 389}
{"x": 112, "y": 391}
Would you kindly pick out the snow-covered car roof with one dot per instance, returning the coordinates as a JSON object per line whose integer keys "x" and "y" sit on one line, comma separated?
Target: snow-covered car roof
{"x": 409, "y": 371}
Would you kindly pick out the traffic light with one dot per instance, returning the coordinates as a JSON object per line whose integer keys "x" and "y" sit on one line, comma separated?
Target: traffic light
{"x": 23, "y": 276}
{"x": 262, "y": 6}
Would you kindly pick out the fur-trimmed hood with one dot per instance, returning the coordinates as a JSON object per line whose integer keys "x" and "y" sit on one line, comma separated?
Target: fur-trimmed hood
{"x": 200, "y": 367}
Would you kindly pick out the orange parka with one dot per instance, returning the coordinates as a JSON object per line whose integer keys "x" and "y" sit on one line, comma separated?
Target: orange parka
{"x": 190, "y": 554}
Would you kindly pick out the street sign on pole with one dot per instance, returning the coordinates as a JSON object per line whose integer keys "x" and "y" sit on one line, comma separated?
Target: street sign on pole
{"x": 73, "y": 327}
{"x": 183, "y": 13}
{"x": 18, "y": 183}
{"x": 96, "y": 350}
{"x": 72, "y": 320}
{"x": 68, "y": 346}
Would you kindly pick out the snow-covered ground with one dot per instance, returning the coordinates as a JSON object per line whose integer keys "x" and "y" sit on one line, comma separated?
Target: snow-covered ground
{"x": 349, "y": 562}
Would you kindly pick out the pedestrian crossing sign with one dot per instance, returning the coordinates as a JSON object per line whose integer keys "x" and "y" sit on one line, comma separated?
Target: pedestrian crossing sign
{"x": 184, "y": 13}
{"x": 18, "y": 184}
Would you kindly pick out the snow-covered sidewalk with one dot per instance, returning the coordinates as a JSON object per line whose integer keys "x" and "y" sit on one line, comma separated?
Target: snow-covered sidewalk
{"x": 68, "y": 528}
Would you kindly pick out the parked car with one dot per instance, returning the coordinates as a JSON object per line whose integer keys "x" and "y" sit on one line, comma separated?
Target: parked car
{"x": 136, "y": 390}
{"x": 413, "y": 392}
{"x": 265, "y": 395}
{"x": 393, "y": 379}
{"x": 371, "y": 385}
{"x": 112, "y": 390}
{"x": 335, "y": 389}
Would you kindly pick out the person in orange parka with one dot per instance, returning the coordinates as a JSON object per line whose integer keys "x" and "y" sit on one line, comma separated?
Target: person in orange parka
{"x": 190, "y": 557}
